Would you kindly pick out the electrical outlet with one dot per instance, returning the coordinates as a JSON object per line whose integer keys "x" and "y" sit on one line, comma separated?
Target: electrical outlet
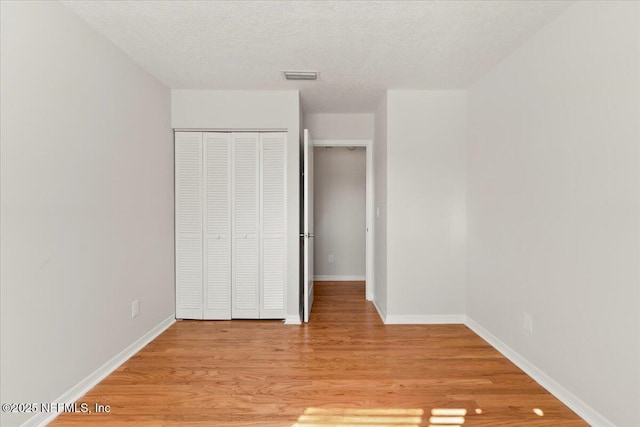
{"x": 135, "y": 308}
{"x": 527, "y": 322}
{"x": 331, "y": 258}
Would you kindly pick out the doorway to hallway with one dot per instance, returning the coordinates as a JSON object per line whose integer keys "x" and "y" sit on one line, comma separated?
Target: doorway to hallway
{"x": 343, "y": 212}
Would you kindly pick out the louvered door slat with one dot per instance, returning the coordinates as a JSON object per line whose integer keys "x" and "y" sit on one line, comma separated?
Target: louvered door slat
{"x": 217, "y": 225}
{"x": 245, "y": 289}
{"x": 188, "y": 224}
{"x": 245, "y": 274}
{"x": 218, "y": 284}
{"x": 272, "y": 279}
{"x": 273, "y": 183}
{"x": 273, "y": 215}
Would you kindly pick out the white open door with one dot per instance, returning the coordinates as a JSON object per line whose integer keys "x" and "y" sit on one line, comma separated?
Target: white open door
{"x": 308, "y": 225}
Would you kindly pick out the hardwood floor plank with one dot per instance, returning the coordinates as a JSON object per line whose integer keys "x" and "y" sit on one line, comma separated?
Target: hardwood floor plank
{"x": 343, "y": 368}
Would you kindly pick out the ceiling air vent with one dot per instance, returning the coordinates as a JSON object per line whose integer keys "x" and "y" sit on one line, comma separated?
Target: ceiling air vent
{"x": 300, "y": 75}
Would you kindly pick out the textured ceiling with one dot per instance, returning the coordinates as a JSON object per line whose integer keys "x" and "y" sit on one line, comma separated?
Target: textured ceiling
{"x": 360, "y": 48}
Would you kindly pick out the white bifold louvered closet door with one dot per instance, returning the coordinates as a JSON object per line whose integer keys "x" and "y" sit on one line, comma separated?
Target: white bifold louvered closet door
{"x": 246, "y": 191}
{"x": 230, "y": 225}
{"x": 217, "y": 225}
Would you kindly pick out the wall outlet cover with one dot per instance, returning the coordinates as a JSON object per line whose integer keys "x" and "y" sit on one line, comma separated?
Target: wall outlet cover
{"x": 528, "y": 322}
{"x": 135, "y": 308}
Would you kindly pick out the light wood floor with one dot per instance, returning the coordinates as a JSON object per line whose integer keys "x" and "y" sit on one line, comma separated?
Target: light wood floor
{"x": 344, "y": 368}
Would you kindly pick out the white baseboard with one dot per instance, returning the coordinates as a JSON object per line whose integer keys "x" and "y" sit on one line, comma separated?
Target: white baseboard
{"x": 80, "y": 389}
{"x": 381, "y": 312}
{"x": 418, "y": 319}
{"x": 326, "y": 278}
{"x": 586, "y": 412}
{"x": 292, "y": 320}
{"x": 426, "y": 319}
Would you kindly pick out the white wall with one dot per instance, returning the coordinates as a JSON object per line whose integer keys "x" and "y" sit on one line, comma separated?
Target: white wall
{"x": 86, "y": 202}
{"x": 554, "y": 204}
{"x": 426, "y": 255}
{"x": 340, "y": 126}
{"x": 254, "y": 110}
{"x": 380, "y": 207}
{"x": 340, "y": 213}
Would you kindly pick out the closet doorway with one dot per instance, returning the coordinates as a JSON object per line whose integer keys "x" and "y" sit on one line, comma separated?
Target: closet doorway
{"x": 343, "y": 211}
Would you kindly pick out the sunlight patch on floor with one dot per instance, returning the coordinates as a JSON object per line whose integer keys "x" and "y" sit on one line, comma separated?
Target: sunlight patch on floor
{"x": 360, "y": 417}
{"x": 447, "y": 417}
